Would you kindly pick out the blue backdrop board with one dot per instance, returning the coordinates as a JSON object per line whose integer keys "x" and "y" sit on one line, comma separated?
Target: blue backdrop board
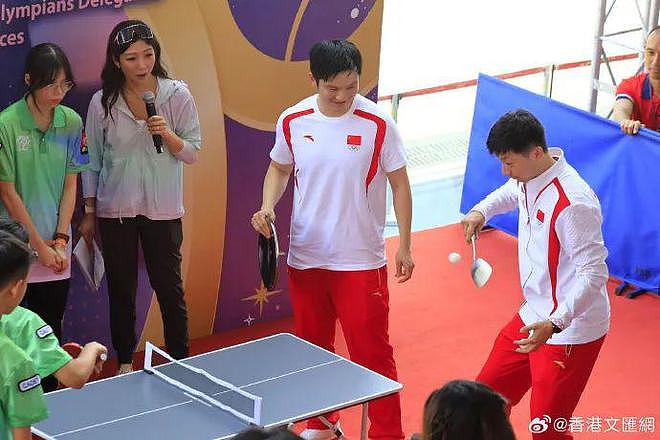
{"x": 622, "y": 170}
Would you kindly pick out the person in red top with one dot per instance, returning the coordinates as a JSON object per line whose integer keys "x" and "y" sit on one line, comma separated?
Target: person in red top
{"x": 342, "y": 151}
{"x": 637, "y": 102}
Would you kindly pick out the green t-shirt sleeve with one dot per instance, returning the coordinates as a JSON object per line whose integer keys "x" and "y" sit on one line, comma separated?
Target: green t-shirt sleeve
{"x": 25, "y": 402}
{"x": 7, "y": 163}
{"x": 47, "y": 354}
{"x": 36, "y": 338}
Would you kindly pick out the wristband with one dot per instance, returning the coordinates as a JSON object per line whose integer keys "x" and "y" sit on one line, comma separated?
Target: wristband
{"x": 60, "y": 236}
{"x": 90, "y": 209}
{"x": 59, "y": 241}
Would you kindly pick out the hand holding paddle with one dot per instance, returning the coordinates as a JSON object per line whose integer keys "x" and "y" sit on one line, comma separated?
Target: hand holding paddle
{"x": 87, "y": 362}
{"x": 472, "y": 224}
{"x": 261, "y": 221}
{"x": 268, "y": 254}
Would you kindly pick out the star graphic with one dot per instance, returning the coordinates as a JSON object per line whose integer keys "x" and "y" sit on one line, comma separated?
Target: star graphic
{"x": 249, "y": 320}
{"x": 261, "y": 297}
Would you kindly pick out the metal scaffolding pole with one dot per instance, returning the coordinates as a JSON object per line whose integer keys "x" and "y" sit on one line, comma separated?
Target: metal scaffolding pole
{"x": 648, "y": 17}
{"x": 595, "y": 59}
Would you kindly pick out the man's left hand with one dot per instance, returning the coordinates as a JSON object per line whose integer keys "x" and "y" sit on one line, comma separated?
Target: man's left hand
{"x": 542, "y": 331}
{"x": 404, "y": 265}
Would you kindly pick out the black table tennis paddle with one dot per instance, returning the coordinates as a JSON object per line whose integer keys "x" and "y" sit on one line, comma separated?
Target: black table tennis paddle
{"x": 268, "y": 252}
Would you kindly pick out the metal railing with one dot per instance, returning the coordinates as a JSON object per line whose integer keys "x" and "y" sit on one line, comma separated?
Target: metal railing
{"x": 548, "y": 71}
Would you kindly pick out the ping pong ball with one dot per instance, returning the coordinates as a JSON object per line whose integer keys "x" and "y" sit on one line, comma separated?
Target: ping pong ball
{"x": 454, "y": 257}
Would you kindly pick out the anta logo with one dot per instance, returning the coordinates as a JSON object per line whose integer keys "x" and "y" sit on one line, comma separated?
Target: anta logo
{"x": 353, "y": 142}
{"x": 560, "y": 364}
{"x": 309, "y": 137}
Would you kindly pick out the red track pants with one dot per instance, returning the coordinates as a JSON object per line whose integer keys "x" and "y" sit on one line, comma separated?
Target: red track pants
{"x": 557, "y": 375}
{"x": 360, "y": 300}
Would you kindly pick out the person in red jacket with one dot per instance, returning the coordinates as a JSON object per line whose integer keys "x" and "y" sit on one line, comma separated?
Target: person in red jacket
{"x": 637, "y": 102}
{"x": 552, "y": 343}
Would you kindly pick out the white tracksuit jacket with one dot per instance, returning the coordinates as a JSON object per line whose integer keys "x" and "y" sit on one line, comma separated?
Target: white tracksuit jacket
{"x": 561, "y": 252}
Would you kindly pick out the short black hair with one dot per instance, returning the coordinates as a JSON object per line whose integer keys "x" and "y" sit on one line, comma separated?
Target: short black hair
{"x": 518, "y": 132}
{"x": 15, "y": 259}
{"x": 328, "y": 58}
{"x": 14, "y": 228}
{"x": 655, "y": 28}
{"x": 266, "y": 434}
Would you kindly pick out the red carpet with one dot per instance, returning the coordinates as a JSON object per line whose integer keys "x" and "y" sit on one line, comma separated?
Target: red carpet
{"x": 442, "y": 328}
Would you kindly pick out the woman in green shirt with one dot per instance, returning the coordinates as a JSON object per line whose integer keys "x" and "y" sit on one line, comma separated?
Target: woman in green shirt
{"x": 41, "y": 154}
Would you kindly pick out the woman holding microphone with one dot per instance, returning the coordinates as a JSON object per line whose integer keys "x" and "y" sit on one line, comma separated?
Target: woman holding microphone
{"x": 135, "y": 191}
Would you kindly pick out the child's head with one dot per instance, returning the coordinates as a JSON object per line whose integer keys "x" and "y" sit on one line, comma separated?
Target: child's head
{"x": 466, "y": 410}
{"x": 14, "y": 228}
{"x": 266, "y": 434}
{"x": 15, "y": 260}
{"x": 48, "y": 75}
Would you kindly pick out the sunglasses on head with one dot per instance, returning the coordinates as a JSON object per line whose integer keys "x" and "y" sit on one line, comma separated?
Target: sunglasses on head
{"x": 132, "y": 33}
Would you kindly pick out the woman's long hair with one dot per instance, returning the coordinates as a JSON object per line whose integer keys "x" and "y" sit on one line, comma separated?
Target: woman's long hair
{"x": 112, "y": 77}
{"x": 466, "y": 410}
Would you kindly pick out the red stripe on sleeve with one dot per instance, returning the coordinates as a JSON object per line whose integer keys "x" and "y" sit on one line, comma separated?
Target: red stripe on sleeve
{"x": 553, "y": 240}
{"x": 381, "y": 129}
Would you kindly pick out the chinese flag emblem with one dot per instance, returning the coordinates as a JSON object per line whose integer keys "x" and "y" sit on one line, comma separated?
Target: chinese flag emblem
{"x": 354, "y": 140}
{"x": 540, "y": 216}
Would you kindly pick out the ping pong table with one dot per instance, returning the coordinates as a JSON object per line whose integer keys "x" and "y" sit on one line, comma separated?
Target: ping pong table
{"x": 278, "y": 380}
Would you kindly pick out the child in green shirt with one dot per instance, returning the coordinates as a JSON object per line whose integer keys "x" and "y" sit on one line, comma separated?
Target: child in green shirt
{"x": 29, "y": 332}
{"x": 21, "y": 396}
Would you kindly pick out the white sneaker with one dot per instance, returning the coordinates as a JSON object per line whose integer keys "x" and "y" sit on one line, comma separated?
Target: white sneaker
{"x": 124, "y": 368}
{"x": 320, "y": 434}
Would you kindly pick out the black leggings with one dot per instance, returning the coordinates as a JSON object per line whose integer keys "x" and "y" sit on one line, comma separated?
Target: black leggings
{"x": 48, "y": 300}
{"x": 161, "y": 243}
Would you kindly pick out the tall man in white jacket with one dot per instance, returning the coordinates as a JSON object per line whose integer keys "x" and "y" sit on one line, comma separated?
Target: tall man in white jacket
{"x": 553, "y": 341}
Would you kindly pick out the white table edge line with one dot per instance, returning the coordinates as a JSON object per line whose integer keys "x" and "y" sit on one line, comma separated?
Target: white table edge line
{"x": 132, "y": 416}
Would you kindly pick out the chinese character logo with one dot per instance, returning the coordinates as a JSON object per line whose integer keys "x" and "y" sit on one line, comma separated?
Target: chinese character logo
{"x": 539, "y": 425}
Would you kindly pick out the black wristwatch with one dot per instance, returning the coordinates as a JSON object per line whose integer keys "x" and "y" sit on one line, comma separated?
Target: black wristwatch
{"x": 555, "y": 327}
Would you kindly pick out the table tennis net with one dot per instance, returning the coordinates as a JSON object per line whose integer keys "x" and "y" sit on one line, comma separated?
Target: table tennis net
{"x": 204, "y": 387}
